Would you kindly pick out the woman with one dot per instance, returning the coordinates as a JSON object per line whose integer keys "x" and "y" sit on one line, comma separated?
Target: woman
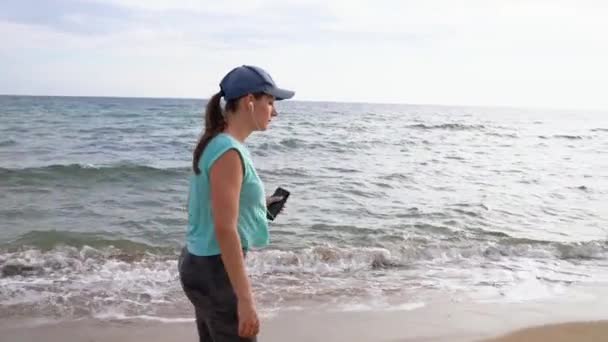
{"x": 227, "y": 207}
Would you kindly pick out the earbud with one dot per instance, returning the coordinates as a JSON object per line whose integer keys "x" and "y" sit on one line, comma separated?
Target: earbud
{"x": 251, "y": 110}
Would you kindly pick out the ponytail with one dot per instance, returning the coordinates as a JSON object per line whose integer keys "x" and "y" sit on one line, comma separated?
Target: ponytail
{"x": 215, "y": 123}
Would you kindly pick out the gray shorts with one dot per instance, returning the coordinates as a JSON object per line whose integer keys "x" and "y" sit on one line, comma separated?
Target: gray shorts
{"x": 206, "y": 284}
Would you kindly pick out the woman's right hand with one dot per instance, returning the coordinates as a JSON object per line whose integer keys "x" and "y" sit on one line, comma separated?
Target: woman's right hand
{"x": 249, "y": 324}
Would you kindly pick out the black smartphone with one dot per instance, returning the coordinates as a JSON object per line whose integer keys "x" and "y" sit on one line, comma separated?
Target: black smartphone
{"x": 274, "y": 208}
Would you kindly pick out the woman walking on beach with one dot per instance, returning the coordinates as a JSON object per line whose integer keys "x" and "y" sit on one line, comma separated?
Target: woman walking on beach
{"x": 227, "y": 207}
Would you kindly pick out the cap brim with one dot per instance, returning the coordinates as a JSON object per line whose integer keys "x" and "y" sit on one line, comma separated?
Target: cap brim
{"x": 280, "y": 94}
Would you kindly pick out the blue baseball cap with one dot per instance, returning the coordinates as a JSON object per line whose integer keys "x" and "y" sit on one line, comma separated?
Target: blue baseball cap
{"x": 248, "y": 79}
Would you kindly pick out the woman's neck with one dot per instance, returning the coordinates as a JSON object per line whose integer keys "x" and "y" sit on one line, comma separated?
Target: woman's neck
{"x": 237, "y": 131}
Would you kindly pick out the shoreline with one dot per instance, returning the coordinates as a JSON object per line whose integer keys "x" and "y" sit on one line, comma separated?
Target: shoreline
{"x": 440, "y": 320}
{"x": 346, "y": 329}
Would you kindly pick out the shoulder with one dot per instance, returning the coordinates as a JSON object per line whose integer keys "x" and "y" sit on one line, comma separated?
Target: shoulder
{"x": 217, "y": 147}
{"x": 219, "y": 141}
{"x": 219, "y": 144}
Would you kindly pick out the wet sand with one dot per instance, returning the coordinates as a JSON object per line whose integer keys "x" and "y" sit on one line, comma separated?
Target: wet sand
{"x": 441, "y": 320}
{"x": 351, "y": 328}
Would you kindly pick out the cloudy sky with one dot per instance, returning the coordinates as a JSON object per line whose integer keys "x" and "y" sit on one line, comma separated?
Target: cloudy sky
{"x": 536, "y": 53}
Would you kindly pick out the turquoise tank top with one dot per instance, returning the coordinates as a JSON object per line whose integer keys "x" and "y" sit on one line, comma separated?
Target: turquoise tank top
{"x": 252, "y": 223}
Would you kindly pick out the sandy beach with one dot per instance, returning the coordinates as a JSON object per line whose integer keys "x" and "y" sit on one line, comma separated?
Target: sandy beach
{"x": 566, "y": 332}
{"x": 349, "y": 329}
{"x": 442, "y": 320}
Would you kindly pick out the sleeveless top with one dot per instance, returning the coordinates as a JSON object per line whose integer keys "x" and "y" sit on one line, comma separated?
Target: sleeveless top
{"x": 252, "y": 223}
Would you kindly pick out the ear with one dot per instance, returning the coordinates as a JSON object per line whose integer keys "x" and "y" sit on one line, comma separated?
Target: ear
{"x": 250, "y": 102}
{"x": 245, "y": 101}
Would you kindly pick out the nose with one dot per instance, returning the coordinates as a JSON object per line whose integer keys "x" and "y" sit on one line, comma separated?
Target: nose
{"x": 274, "y": 112}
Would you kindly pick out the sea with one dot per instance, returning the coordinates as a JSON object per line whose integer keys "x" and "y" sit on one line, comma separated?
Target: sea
{"x": 391, "y": 205}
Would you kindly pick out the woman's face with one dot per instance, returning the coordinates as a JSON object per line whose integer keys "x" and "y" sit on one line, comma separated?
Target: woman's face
{"x": 263, "y": 111}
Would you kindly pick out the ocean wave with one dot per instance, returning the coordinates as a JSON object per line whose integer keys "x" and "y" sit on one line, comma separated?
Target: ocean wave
{"x": 29, "y": 261}
{"x": 341, "y": 170}
{"x": 359, "y": 307}
{"x": 425, "y": 243}
{"x": 81, "y": 282}
{"x": 570, "y": 137}
{"x": 121, "y": 282}
{"x": 285, "y": 172}
{"x": 563, "y": 136}
{"x": 119, "y": 316}
{"x": 35, "y": 175}
{"x": 317, "y": 260}
{"x": 484, "y": 246}
{"x": 583, "y": 250}
{"x": 123, "y": 249}
{"x": 503, "y": 135}
{"x": 290, "y": 144}
{"x": 7, "y": 142}
{"x": 71, "y": 282}
{"x": 321, "y": 260}
{"x": 447, "y": 126}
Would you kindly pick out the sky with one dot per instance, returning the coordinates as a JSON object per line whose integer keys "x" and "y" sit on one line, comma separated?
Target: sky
{"x": 522, "y": 53}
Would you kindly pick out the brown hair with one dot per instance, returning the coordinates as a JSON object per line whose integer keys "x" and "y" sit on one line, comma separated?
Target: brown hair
{"x": 215, "y": 123}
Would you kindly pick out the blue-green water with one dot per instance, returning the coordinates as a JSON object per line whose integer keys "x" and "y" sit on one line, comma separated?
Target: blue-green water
{"x": 390, "y": 204}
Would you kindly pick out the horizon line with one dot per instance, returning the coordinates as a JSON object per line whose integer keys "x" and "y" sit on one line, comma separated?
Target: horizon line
{"x": 499, "y": 106}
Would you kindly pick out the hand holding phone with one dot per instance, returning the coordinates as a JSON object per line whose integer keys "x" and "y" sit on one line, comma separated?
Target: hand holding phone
{"x": 273, "y": 209}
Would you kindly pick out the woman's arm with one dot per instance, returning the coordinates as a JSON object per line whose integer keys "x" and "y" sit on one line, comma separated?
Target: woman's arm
{"x": 226, "y": 176}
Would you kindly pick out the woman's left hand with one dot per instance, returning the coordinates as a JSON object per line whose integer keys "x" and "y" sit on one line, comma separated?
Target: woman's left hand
{"x": 273, "y": 199}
